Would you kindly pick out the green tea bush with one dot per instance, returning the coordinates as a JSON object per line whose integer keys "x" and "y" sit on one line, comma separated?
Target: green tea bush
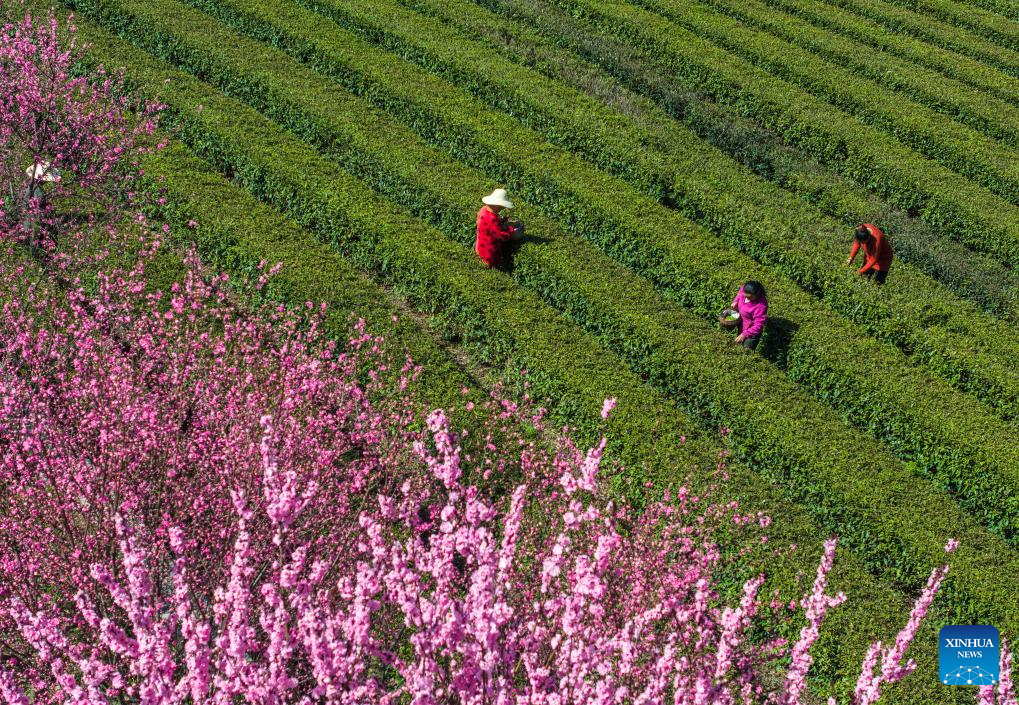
{"x": 980, "y": 219}
{"x": 872, "y": 33}
{"x": 962, "y": 149}
{"x": 688, "y": 175}
{"x": 554, "y": 52}
{"x": 954, "y": 99}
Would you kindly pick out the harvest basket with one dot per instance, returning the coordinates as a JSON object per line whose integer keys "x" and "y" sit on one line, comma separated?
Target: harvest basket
{"x": 729, "y": 318}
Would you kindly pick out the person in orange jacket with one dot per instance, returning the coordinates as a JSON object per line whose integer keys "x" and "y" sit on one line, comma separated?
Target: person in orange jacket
{"x": 877, "y": 252}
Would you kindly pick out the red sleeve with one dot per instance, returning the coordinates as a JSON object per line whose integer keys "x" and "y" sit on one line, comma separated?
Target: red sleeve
{"x": 489, "y": 225}
{"x": 871, "y": 258}
{"x": 856, "y": 248}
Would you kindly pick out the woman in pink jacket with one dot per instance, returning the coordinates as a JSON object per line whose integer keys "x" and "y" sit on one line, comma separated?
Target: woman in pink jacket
{"x": 752, "y": 305}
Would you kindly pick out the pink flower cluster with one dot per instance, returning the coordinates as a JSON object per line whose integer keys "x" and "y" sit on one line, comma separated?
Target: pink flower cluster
{"x": 64, "y": 137}
{"x": 162, "y": 406}
{"x": 438, "y": 598}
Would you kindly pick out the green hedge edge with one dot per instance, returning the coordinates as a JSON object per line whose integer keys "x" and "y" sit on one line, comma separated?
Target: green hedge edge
{"x": 938, "y": 444}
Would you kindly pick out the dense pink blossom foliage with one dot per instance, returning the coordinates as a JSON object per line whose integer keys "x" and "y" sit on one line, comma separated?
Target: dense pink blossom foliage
{"x": 158, "y": 406}
{"x": 441, "y": 597}
{"x": 181, "y": 469}
{"x": 62, "y": 135}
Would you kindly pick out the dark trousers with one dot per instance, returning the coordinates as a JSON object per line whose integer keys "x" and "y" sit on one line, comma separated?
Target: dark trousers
{"x": 878, "y": 276}
{"x": 751, "y": 342}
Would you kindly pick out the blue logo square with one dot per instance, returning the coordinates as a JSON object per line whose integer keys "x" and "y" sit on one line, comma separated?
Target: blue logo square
{"x": 968, "y": 655}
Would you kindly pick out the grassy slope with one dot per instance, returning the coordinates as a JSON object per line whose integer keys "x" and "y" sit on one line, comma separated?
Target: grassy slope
{"x": 297, "y": 108}
{"x": 535, "y": 34}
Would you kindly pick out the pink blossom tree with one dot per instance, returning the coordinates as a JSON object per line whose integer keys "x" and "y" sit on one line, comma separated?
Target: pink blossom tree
{"x": 66, "y": 139}
{"x": 461, "y": 603}
{"x": 152, "y": 405}
{"x": 204, "y": 502}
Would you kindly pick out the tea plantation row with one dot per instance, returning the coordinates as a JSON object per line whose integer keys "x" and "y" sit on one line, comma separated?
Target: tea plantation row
{"x": 946, "y": 336}
{"x": 533, "y": 33}
{"x": 931, "y": 434}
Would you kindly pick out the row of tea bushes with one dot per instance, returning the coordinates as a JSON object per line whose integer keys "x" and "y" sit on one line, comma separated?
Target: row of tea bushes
{"x": 998, "y": 29}
{"x": 870, "y": 32}
{"x": 939, "y": 331}
{"x": 847, "y": 377}
{"x": 965, "y": 151}
{"x": 553, "y": 43}
{"x": 957, "y": 100}
{"x": 904, "y": 20}
{"x": 983, "y": 220}
{"x": 615, "y": 74}
{"x": 849, "y": 371}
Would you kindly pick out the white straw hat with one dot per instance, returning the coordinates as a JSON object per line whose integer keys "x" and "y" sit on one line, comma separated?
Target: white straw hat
{"x": 41, "y": 172}
{"x": 497, "y": 198}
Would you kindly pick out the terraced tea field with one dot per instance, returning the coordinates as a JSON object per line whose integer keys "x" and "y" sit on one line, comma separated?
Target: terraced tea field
{"x": 661, "y": 152}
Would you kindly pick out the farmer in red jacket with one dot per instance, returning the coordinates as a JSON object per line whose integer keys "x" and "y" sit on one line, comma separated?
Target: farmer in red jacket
{"x": 877, "y": 252}
{"x": 493, "y": 229}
